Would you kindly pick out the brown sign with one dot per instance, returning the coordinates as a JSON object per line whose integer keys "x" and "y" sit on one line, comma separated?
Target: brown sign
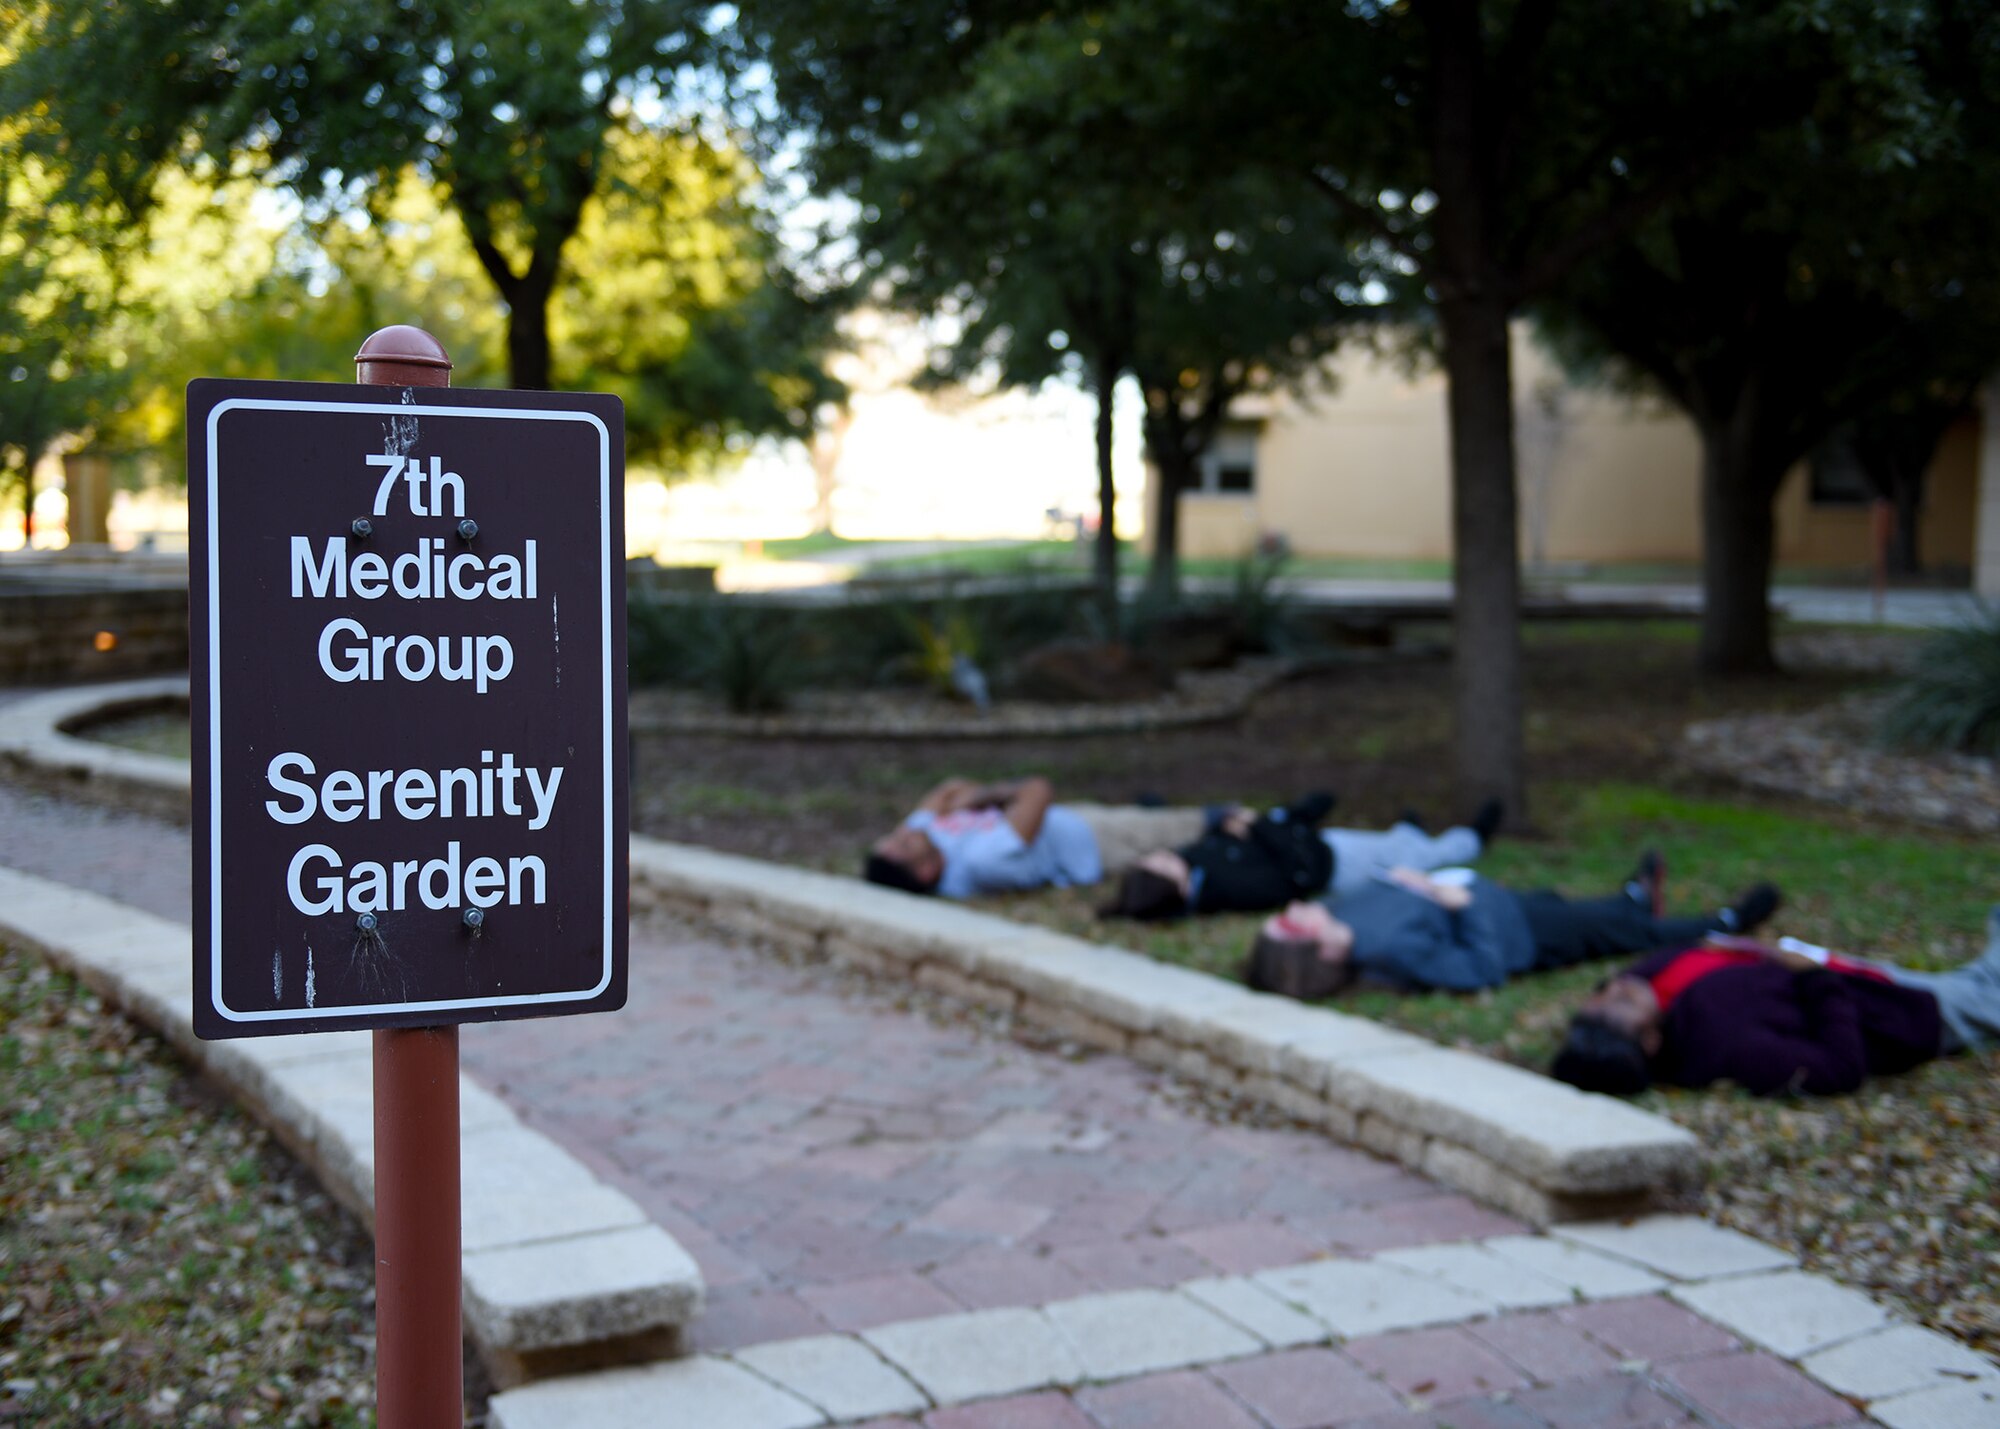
{"x": 408, "y": 621}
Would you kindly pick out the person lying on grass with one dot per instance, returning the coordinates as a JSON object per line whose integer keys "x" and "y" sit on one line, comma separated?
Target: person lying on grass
{"x": 1246, "y": 862}
{"x": 1455, "y": 931}
{"x": 966, "y": 838}
{"x": 1776, "y": 1019}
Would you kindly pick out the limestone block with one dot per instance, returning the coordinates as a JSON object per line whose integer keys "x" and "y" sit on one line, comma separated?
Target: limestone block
{"x": 1787, "y": 1312}
{"x": 1468, "y": 1171}
{"x": 580, "y": 1290}
{"x": 1244, "y": 1302}
{"x": 1584, "y": 1272}
{"x": 1360, "y": 1297}
{"x": 914, "y": 928}
{"x": 517, "y": 1187}
{"x": 1278, "y": 1037}
{"x": 1682, "y": 1247}
{"x": 1057, "y": 969}
{"x": 838, "y": 1374}
{"x": 979, "y": 1355}
{"x": 1141, "y": 1331}
{"x": 1549, "y": 1134}
{"x": 479, "y": 1109}
{"x": 862, "y": 957}
{"x": 1958, "y": 1406}
{"x": 741, "y": 921}
{"x": 1385, "y": 1138}
{"x": 948, "y": 982}
{"x": 1177, "y": 1003}
{"x": 1470, "y": 1266}
{"x": 1077, "y": 1025}
{"x": 1898, "y": 1360}
{"x": 66, "y": 921}
{"x": 330, "y": 1107}
{"x": 702, "y": 1391}
{"x": 1299, "y": 1104}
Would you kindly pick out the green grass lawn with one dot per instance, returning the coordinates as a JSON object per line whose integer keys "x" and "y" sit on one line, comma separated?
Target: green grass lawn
{"x": 165, "y": 733}
{"x": 1907, "y": 896}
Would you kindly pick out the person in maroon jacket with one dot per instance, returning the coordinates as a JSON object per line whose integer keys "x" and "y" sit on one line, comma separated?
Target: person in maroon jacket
{"x": 1776, "y": 1019}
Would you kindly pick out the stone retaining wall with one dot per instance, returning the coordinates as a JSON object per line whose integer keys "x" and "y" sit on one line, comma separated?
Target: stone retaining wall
{"x": 561, "y": 1271}
{"x": 91, "y": 634}
{"x": 1527, "y": 1145}
{"x": 37, "y": 746}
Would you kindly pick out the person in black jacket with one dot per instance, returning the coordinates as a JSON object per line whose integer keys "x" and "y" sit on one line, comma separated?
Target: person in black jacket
{"x": 1246, "y": 862}
{"x": 1243, "y": 861}
{"x": 1790, "y": 1018}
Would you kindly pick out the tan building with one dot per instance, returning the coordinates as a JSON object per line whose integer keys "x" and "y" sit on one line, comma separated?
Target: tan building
{"x": 1359, "y": 468}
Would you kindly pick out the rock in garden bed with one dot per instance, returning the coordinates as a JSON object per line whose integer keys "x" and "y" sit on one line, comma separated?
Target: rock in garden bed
{"x": 1829, "y": 756}
{"x": 1198, "y": 697}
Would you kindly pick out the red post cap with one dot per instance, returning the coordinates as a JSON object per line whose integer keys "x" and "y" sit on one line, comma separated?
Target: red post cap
{"x": 402, "y": 356}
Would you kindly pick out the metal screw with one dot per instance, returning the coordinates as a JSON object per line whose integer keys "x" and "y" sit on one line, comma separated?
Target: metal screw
{"x": 467, "y": 529}
{"x": 475, "y": 918}
{"x": 366, "y": 922}
{"x": 361, "y": 528}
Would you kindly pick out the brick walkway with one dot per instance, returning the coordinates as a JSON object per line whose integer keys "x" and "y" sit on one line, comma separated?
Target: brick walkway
{"x": 834, "y": 1162}
{"x": 837, "y": 1161}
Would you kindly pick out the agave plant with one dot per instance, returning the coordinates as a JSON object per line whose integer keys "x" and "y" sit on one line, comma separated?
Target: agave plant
{"x": 1951, "y": 699}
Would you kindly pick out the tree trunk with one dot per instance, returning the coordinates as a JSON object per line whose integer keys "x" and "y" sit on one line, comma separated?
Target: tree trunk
{"x": 1485, "y": 519}
{"x": 1163, "y": 579}
{"x": 28, "y": 503}
{"x": 1905, "y": 551}
{"x": 1473, "y": 295}
{"x": 1106, "y": 563}
{"x": 529, "y": 366}
{"x": 1738, "y": 530}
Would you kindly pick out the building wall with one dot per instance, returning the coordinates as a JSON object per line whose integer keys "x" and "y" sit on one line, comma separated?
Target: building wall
{"x": 1842, "y": 535}
{"x": 1360, "y": 467}
{"x": 1986, "y": 572}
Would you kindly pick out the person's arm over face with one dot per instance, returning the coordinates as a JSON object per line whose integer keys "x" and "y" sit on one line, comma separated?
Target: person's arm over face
{"x": 947, "y": 797}
{"x": 1029, "y": 805}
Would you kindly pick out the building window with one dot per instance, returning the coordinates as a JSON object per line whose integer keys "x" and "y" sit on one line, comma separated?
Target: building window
{"x": 1229, "y": 467}
{"x": 1835, "y": 477}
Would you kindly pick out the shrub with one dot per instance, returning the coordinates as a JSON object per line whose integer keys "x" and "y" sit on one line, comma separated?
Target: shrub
{"x": 1951, "y": 700}
{"x": 748, "y": 655}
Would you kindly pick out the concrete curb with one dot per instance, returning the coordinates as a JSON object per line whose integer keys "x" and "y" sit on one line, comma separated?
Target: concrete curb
{"x": 36, "y": 743}
{"x": 1905, "y": 1375}
{"x": 561, "y": 1271}
{"x": 1527, "y": 1145}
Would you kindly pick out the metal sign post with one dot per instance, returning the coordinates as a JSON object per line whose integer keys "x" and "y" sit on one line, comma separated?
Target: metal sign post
{"x": 408, "y": 610}
{"x": 419, "y": 1365}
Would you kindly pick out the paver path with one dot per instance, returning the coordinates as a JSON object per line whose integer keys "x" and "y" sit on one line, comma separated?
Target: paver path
{"x": 836, "y": 1161}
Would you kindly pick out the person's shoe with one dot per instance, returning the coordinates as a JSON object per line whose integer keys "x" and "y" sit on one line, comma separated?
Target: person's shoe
{"x": 1414, "y": 819}
{"x": 1486, "y": 820}
{"x": 1648, "y": 884}
{"x": 1753, "y": 909}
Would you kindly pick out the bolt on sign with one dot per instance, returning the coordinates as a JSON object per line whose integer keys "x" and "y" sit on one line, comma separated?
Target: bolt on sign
{"x": 408, "y": 621}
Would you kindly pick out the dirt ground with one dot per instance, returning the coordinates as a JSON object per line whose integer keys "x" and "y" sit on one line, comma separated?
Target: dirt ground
{"x": 1605, "y": 703}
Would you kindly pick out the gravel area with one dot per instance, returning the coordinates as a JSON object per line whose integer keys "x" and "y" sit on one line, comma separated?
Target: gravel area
{"x": 1827, "y": 755}
{"x": 1895, "y": 1190}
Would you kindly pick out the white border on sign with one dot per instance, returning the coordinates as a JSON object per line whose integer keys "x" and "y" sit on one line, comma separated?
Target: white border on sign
{"x": 304, "y": 1014}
